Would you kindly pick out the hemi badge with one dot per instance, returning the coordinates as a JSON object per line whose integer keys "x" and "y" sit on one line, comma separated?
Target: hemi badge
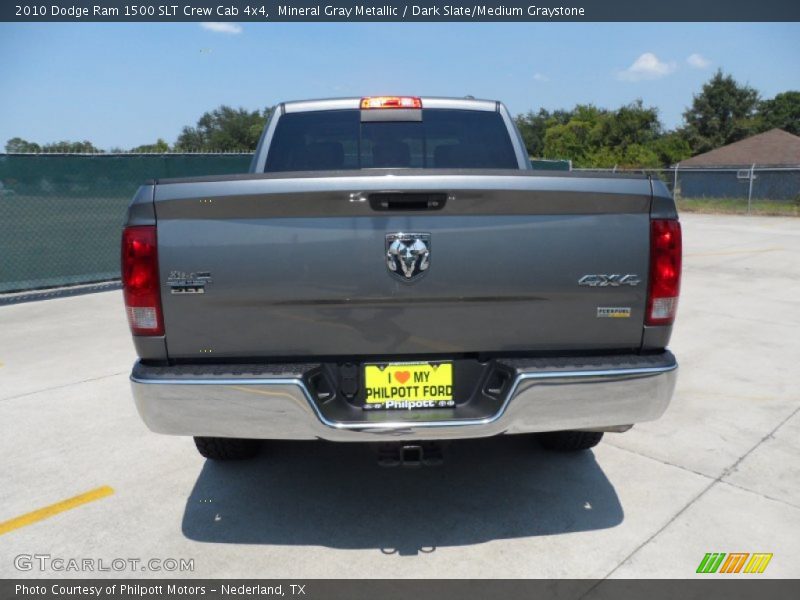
{"x": 613, "y": 312}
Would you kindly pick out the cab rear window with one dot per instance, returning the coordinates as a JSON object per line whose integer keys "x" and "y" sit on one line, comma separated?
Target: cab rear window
{"x": 339, "y": 140}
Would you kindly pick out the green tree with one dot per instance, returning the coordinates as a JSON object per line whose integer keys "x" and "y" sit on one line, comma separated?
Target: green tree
{"x": 671, "y": 148}
{"x": 628, "y": 125}
{"x": 782, "y": 111}
{"x": 593, "y": 137}
{"x": 577, "y": 138}
{"x": 533, "y": 126}
{"x": 224, "y": 129}
{"x": 17, "y": 144}
{"x": 723, "y": 112}
{"x": 85, "y": 147}
{"x": 160, "y": 146}
{"x": 639, "y": 156}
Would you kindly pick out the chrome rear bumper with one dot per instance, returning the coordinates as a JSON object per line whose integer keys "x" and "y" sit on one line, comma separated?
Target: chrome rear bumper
{"x": 274, "y": 402}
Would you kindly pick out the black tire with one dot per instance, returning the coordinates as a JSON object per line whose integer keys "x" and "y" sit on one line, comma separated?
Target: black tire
{"x": 569, "y": 441}
{"x": 226, "y": 448}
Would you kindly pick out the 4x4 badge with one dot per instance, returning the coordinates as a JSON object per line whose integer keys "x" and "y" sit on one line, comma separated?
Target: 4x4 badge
{"x": 408, "y": 255}
{"x": 613, "y": 280}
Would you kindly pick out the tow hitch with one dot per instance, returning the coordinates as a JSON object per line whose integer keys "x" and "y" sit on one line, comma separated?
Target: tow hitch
{"x": 396, "y": 454}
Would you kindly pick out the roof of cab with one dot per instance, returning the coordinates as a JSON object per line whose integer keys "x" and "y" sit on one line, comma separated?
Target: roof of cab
{"x": 355, "y": 103}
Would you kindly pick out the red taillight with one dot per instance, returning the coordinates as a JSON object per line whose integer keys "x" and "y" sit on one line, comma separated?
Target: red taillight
{"x": 390, "y": 102}
{"x": 140, "y": 281}
{"x": 665, "y": 272}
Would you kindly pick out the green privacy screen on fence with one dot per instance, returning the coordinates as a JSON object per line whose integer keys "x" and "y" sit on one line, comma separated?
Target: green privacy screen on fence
{"x": 61, "y": 215}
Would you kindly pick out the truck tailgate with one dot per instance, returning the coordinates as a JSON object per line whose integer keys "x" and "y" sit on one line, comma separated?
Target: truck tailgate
{"x": 291, "y": 265}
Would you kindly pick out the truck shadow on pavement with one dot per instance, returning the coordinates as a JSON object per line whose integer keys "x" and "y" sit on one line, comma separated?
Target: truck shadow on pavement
{"x": 335, "y": 495}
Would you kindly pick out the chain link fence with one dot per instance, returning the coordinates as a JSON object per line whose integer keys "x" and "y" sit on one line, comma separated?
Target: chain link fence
{"x": 748, "y": 190}
{"x": 61, "y": 214}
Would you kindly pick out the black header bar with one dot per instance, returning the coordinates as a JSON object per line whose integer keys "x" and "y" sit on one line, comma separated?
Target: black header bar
{"x": 545, "y": 11}
{"x": 740, "y": 588}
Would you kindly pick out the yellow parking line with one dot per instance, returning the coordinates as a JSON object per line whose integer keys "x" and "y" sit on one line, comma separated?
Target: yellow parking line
{"x": 735, "y": 252}
{"x": 52, "y": 510}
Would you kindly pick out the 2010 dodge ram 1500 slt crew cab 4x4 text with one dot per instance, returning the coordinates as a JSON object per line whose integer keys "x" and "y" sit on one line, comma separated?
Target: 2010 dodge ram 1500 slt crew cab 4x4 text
{"x": 392, "y": 269}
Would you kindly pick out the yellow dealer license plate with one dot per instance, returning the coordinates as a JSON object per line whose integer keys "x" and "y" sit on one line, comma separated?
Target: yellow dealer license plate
{"x": 409, "y": 385}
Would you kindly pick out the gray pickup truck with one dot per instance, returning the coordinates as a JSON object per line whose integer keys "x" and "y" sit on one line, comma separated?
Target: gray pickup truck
{"x": 392, "y": 270}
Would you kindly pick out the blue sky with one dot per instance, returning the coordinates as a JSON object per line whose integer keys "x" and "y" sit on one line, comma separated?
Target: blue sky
{"x": 122, "y": 84}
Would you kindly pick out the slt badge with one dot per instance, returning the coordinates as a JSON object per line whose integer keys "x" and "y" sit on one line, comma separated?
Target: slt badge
{"x": 408, "y": 255}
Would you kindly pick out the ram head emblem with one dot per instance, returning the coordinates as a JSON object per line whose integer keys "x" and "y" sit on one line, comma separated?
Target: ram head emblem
{"x": 408, "y": 255}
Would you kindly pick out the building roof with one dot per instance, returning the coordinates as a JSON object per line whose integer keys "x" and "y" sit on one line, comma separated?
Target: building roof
{"x": 774, "y": 147}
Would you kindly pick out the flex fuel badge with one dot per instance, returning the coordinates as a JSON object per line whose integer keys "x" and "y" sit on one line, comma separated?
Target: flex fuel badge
{"x": 613, "y": 312}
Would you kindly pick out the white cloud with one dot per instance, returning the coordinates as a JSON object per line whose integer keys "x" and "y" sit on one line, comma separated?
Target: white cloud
{"x": 647, "y": 66}
{"x": 698, "y": 61}
{"x": 540, "y": 77}
{"x": 217, "y": 27}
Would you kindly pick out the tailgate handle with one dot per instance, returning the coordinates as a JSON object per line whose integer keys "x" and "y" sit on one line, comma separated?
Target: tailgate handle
{"x": 404, "y": 201}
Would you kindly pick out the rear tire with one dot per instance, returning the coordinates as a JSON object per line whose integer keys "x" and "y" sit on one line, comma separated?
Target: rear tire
{"x": 226, "y": 448}
{"x": 569, "y": 441}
